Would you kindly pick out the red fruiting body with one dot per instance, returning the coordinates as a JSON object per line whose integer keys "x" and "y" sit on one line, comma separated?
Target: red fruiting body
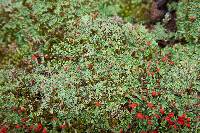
{"x": 188, "y": 125}
{"x": 171, "y": 63}
{"x": 175, "y": 127}
{"x": 31, "y": 127}
{"x": 150, "y": 105}
{"x": 24, "y": 119}
{"x": 39, "y": 127}
{"x": 44, "y": 130}
{"x": 157, "y": 116}
{"x": 183, "y": 116}
{"x": 17, "y": 126}
{"x": 22, "y": 109}
{"x": 19, "y": 111}
{"x": 143, "y": 98}
{"x": 34, "y": 57}
{"x": 129, "y": 126}
{"x": 167, "y": 118}
{"x": 162, "y": 111}
{"x": 153, "y": 93}
{"x": 188, "y": 120}
{"x": 78, "y": 68}
{"x": 171, "y": 122}
{"x": 148, "y": 73}
{"x": 62, "y": 126}
{"x": 180, "y": 120}
{"x": 46, "y": 56}
{"x": 158, "y": 69}
{"x": 155, "y": 131}
{"x": 171, "y": 114}
{"x": 24, "y": 126}
{"x": 164, "y": 59}
{"x": 90, "y": 66}
{"x": 192, "y": 18}
{"x": 149, "y": 122}
{"x": 3, "y": 130}
{"x": 54, "y": 119}
{"x": 133, "y": 105}
{"x": 147, "y": 117}
{"x": 152, "y": 74}
{"x": 32, "y": 82}
{"x": 14, "y": 108}
{"x": 121, "y": 130}
{"x": 148, "y": 65}
{"x": 140, "y": 116}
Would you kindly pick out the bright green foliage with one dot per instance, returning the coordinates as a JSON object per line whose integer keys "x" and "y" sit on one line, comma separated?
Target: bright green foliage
{"x": 76, "y": 66}
{"x": 188, "y": 20}
{"x": 134, "y": 10}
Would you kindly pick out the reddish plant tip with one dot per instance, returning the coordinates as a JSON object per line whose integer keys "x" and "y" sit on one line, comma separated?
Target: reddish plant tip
{"x": 152, "y": 74}
{"x": 157, "y": 69}
{"x": 98, "y": 104}
{"x": 148, "y": 73}
{"x": 46, "y": 56}
{"x": 121, "y": 130}
{"x": 66, "y": 68}
{"x": 171, "y": 63}
{"x": 90, "y": 66}
{"x": 192, "y": 18}
{"x": 148, "y": 43}
{"x": 78, "y": 68}
{"x": 144, "y": 98}
{"x": 22, "y": 109}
